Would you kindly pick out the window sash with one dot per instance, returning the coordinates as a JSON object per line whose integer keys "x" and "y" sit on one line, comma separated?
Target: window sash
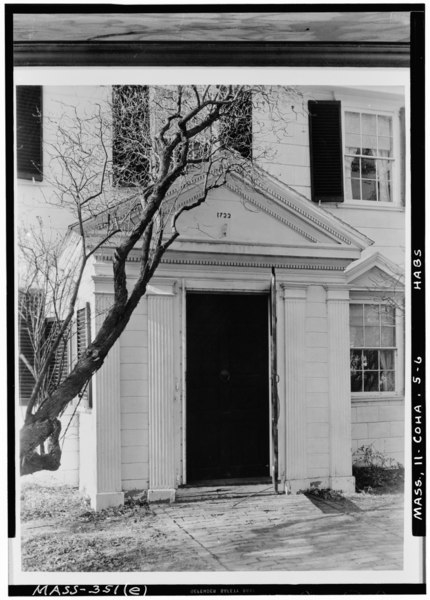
{"x": 376, "y": 187}
{"x": 373, "y": 368}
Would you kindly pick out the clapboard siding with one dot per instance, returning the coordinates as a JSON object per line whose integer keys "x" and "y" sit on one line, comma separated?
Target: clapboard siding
{"x": 379, "y": 423}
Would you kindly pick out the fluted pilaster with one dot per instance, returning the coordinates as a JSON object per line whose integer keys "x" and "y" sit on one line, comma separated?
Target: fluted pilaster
{"x": 339, "y": 390}
{"x": 295, "y": 413}
{"x": 107, "y": 413}
{"x": 161, "y": 373}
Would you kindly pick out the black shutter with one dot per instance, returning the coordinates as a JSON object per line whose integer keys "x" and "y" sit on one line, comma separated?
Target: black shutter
{"x": 326, "y": 151}
{"x": 59, "y": 362}
{"x": 83, "y": 338}
{"x": 29, "y": 131}
{"x": 81, "y": 331}
{"x": 26, "y": 379}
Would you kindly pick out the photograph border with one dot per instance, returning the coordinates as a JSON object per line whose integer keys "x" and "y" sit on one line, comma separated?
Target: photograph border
{"x": 238, "y": 54}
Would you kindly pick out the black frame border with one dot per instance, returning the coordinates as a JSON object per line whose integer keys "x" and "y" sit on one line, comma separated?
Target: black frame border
{"x": 60, "y": 53}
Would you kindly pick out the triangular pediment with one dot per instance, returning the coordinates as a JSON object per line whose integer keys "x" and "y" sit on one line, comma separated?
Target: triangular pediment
{"x": 375, "y": 272}
{"x": 253, "y": 214}
{"x": 263, "y": 212}
{"x": 226, "y": 216}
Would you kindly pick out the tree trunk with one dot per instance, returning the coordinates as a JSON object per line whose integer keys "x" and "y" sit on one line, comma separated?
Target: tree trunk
{"x": 44, "y": 423}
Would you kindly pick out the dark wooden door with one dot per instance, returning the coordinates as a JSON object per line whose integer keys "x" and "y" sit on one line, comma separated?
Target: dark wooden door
{"x": 227, "y": 386}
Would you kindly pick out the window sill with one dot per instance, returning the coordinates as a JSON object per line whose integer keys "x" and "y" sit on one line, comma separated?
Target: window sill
{"x": 354, "y": 204}
{"x": 381, "y": 397}
{"x": 31, "y": 182}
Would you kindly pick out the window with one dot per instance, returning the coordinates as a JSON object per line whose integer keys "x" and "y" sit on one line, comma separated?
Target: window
{"x": 373, "y": 347}
{"x": 29, "y": 132}
{"x": 368, "y": 156}
{"x": 131, "y": 135}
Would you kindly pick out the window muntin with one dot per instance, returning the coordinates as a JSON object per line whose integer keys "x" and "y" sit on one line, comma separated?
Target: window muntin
{"x": 373, "y": 347}
{"x": 368, "y": 156}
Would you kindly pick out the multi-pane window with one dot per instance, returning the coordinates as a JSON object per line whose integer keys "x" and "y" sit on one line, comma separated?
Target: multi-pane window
{"x": 373, "y": 347}
{"x": 368, "y": 156}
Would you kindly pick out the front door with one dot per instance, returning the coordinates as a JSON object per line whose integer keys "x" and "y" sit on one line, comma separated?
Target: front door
{"x": 227, "y": 387}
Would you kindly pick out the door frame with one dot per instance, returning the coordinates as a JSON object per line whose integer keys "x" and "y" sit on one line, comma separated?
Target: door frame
{"x": 261, "y": 285}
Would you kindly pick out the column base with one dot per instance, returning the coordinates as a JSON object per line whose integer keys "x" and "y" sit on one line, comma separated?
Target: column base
{"x": 106, "y": 500}
{"x": 340, "y": 484}
{"x": 164, "y": 495}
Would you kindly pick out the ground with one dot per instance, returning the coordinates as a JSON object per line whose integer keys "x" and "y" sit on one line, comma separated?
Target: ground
{"x": 244, "y": 529}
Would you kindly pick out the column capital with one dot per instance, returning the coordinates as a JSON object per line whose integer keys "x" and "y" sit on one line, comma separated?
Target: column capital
{"x": 162, "y": 287}
{"x": 294, "y": 293}
{"x": 338, "y": 294}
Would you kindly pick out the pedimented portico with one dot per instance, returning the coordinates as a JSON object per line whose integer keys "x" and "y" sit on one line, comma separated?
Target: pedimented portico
{"x": 232, "y": 245}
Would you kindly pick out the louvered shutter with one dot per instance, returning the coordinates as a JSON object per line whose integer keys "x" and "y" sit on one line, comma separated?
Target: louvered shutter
{"x": 59, "y": 364}
{"x": 83, "y": 338}
{"x": 325, "y": 132}
{"x": 26, "y": 379}
{"x": 29, "y": 131}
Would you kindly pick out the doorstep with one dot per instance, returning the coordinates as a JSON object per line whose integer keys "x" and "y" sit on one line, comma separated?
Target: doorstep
{"x": 214, "y": 491}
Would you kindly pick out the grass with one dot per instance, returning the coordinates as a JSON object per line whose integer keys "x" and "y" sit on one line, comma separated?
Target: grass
{"x": 61, "y": 533}
{"x": 40, "y": 502}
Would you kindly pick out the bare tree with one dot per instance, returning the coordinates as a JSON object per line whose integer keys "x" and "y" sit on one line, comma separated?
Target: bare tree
{"x": 122, "y": 170}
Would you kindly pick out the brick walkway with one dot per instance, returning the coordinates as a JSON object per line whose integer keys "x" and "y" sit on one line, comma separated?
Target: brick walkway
{"x": 261, "y": 531}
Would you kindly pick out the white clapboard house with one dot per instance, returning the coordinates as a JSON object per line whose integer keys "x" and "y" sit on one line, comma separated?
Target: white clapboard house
{"x": 271, "y": 338}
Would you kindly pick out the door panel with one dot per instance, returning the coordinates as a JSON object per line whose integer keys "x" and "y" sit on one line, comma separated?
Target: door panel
{"x": 227, "y": 386}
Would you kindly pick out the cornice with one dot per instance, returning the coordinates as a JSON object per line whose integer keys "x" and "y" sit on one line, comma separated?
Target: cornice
{"x": 236, "y": 262}
{"x": 266, "y": 265}
{"x": 225, "y": 53}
